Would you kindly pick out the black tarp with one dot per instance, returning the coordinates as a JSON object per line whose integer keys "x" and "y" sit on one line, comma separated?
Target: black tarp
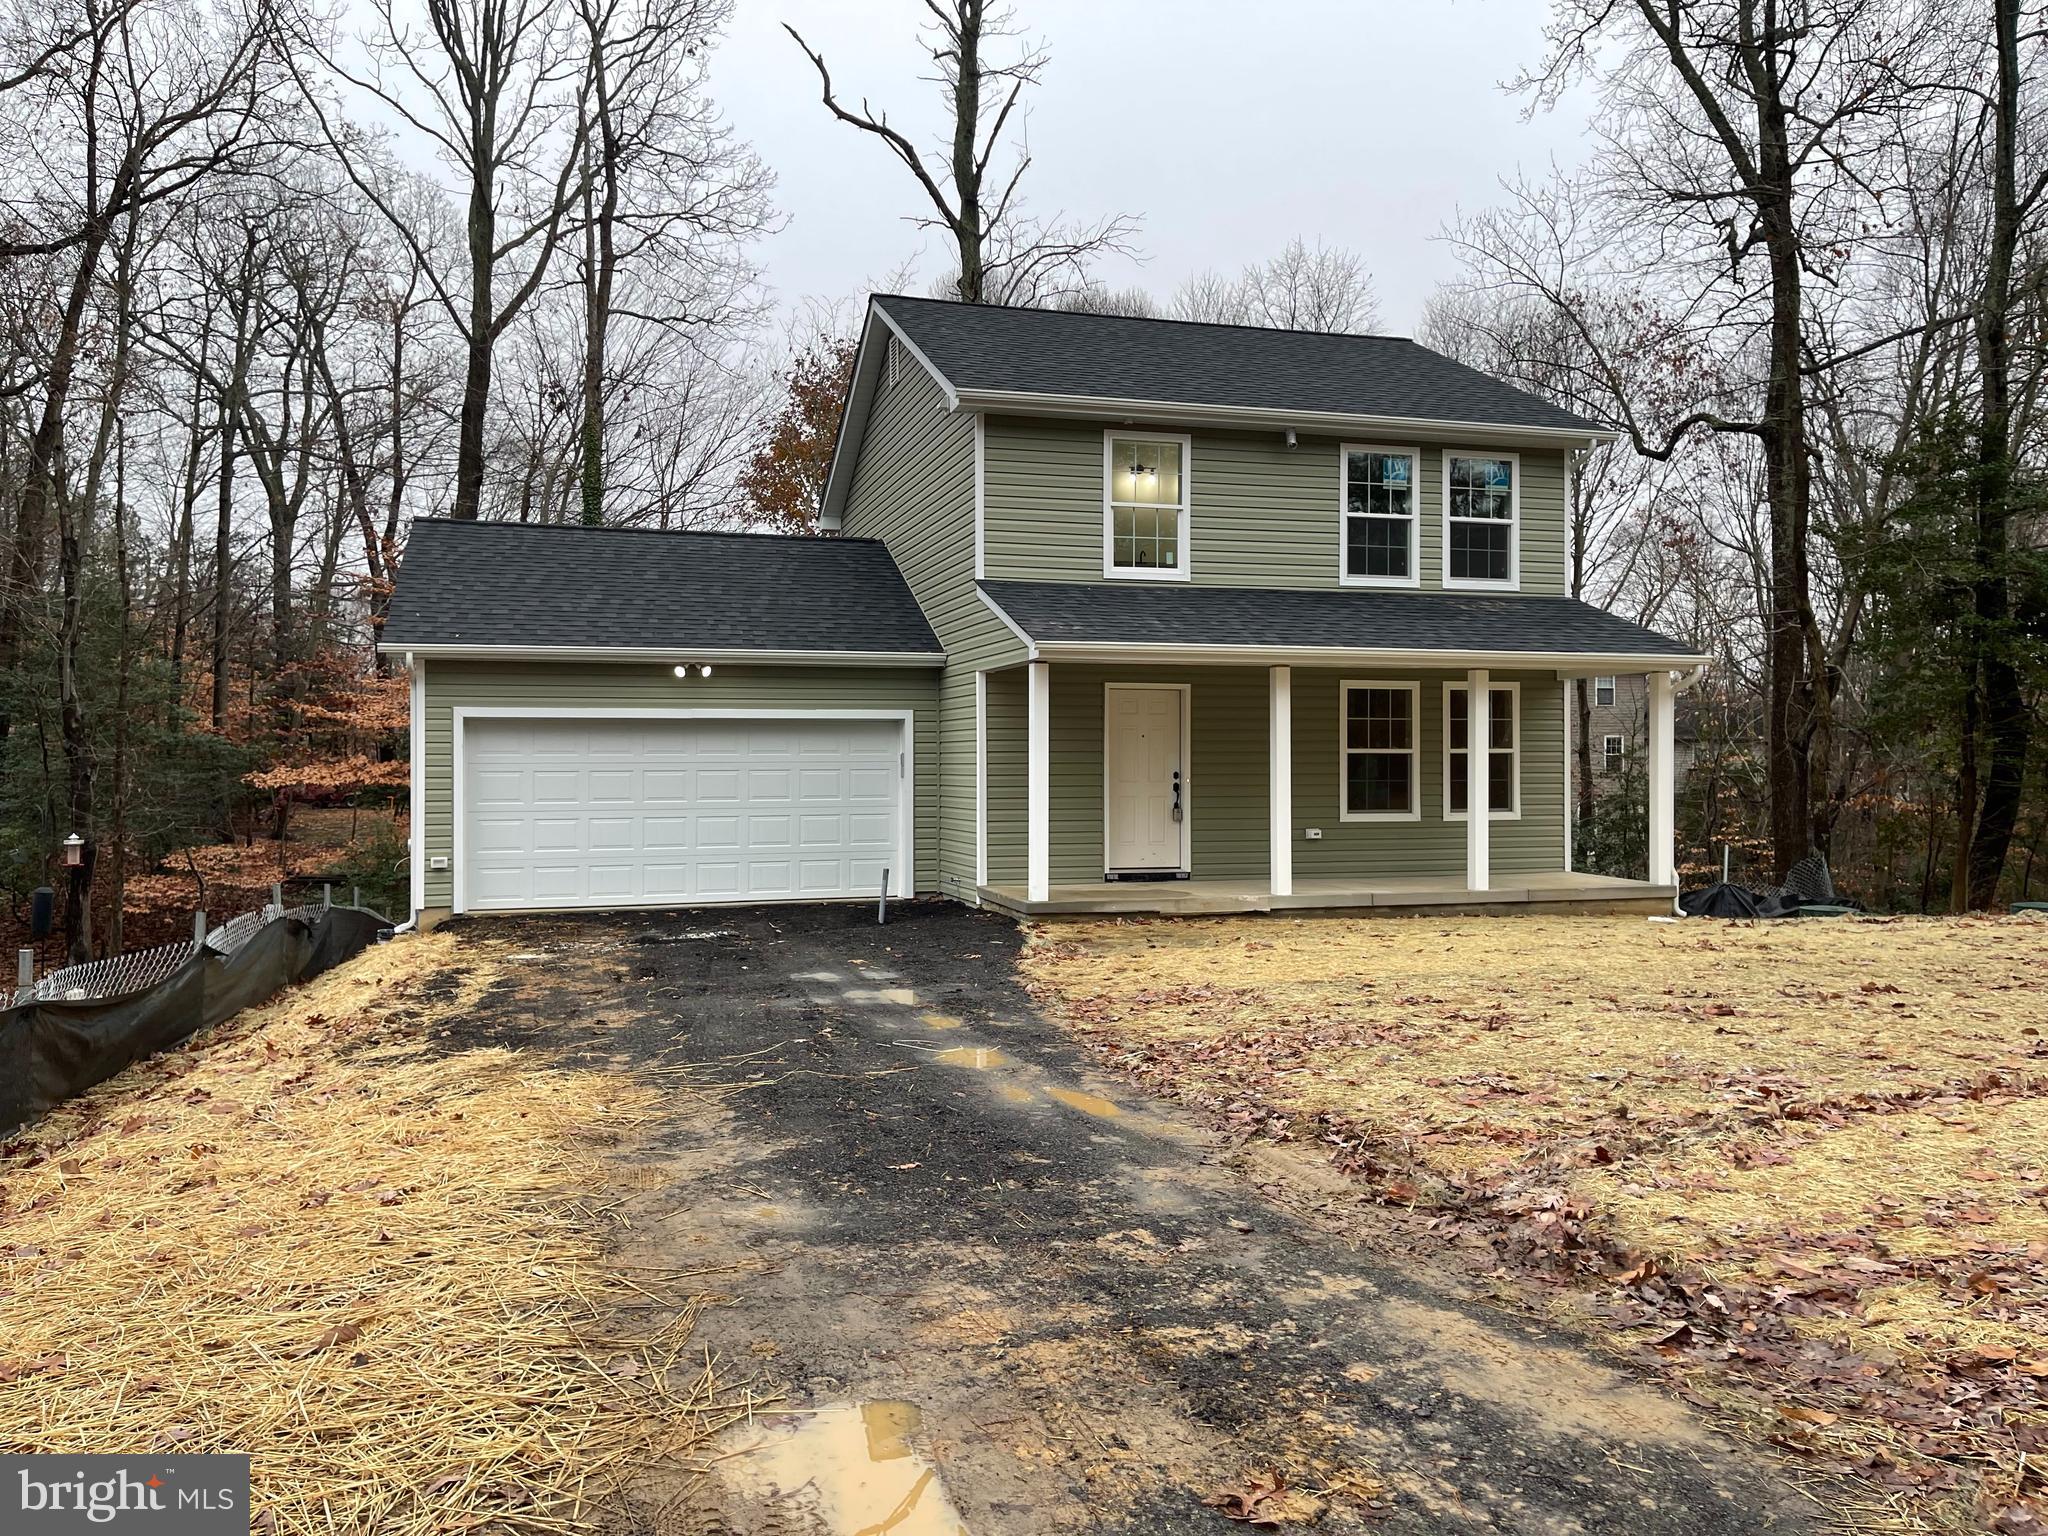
{"x": 52, "y": 1050}
{"x": 1724, "y": 900}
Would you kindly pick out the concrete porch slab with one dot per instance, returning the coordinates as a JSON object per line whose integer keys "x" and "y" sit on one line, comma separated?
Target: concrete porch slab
{"x": 1543, "y": 891}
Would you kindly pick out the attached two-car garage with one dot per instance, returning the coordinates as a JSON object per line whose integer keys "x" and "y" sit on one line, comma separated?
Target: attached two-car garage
{"x": 618, "y": 717}
{"x": 622, "y": 810}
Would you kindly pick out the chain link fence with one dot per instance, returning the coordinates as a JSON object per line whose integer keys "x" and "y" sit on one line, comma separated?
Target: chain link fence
{"x": 141, "y": 969}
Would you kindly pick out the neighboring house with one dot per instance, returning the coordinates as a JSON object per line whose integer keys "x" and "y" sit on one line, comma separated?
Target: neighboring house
{"x": 1118, "y": 615}
{"x": 1618, "y": 727}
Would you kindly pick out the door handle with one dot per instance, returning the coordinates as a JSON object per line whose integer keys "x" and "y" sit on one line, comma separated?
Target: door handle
{"x": 1176, "y": 794}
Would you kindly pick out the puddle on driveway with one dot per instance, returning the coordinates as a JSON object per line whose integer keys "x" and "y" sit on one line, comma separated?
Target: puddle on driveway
{"x": 843, "y": 1469}
{"x": 1087, "y": 1103}
{"x": 902, "y": 996}
{"x": 939, "y": 1021}
{"x": 978, "y": 1057}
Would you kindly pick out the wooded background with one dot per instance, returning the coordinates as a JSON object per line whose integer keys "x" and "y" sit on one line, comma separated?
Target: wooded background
{"x": 276, "y": 278}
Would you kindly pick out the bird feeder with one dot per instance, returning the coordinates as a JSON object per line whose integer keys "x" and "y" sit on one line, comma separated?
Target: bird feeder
{"x": 74, "y": 851}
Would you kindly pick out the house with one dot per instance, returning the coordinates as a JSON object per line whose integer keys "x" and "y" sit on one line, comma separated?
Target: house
{"x": 1114, "y": 615}
{"x": 1617, "y": 727}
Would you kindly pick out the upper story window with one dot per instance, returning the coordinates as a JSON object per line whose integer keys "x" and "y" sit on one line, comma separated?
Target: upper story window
{"x": 1500, "y": 740}
{"x": 1145, "y": 505}
{"x": 1482, "y": 517}
{"x": 1380, "y": 545}
{"x": 1381, "y": 748}
{"x": 1603, "y": 692}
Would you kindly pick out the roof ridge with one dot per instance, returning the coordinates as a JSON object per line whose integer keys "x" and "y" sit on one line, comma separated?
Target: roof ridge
{"x": 673, "y": 533}
{"x": 1214, "y": 325}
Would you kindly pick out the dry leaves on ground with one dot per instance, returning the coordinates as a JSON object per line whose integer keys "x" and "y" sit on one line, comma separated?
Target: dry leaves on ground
{"x": 1801, "y": 1166}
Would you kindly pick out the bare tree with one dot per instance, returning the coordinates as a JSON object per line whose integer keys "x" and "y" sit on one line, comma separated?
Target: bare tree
{"x": 1303, "y": 288}
{"x": 496, "y": 90}
{"x": 1002, "y": 254}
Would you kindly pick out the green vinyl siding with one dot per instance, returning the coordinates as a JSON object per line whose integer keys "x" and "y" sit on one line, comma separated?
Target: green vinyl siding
{"x": 546, "y": 686}
{"x": 1429, "y": 845}
{"x": 1227, "y": 780}
{"x": 914, "y": 489}
{"x": 1260, "y": 514}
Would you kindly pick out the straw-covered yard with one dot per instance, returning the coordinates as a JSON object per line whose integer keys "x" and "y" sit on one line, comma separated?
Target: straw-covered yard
{"x": 1800, "y": 1170}
{"x": 381, "y": 1264}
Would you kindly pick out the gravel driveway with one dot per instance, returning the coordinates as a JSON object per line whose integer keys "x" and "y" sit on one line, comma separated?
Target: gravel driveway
{"x": 1021, "y": 1299}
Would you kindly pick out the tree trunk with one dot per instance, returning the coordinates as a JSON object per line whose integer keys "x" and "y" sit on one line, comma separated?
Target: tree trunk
{"x": 969, "y": 234}
{"x": 479, "y": 338}
{"x": 223, "y": 563}
{"x": 1583, "y": 748}
{"x": 2006, "y": 725}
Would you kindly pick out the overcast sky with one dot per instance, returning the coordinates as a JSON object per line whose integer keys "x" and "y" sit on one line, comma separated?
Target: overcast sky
{"x": 1226, "y": 128}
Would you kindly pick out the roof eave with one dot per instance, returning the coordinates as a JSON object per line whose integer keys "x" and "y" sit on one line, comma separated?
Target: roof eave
{"x": 860, "y": 394}
{"x": 1600, "y": 663}
{"x": 665, "y": 655}
{"x": 1335, "y": 423}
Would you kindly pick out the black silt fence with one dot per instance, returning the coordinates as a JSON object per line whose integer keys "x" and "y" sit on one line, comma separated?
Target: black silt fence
{"x": 51, "y": 1049}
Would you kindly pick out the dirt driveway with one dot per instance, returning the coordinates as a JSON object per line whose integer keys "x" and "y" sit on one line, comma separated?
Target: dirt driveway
{"x": 1022, "y": 1300}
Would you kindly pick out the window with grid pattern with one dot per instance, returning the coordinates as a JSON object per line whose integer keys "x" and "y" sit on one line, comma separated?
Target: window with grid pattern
{"x": 1503, "y": 752}
{"x": 1379, "y": 515}
{"x": 1380, "y": 751}
{"x": 1479, "y": 511}
{"x": 1147, "y": 505}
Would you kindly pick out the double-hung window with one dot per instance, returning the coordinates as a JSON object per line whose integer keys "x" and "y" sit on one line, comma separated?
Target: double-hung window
{"x": 1145, "y": 505}
{"x": 1380, "y": 735}
{"x": 1603, "y": 692}
{"x": 1482, "y": 518}
{"x": 1499, "y": 739}
{"x": 1378, "y": 500}
{"x": 1612, "y": 750}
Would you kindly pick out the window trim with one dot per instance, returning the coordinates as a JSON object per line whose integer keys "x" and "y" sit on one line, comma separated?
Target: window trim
{"x": 1613, "y": 692}
{"x": 1344, "y": 576}
{"x": 1344, "y": 749}
{"x": 1613, "y": 759}
{"x": 1493, "y": 813}
{"x": 1465, "y": 583}
{"x": 1184, "y": 544}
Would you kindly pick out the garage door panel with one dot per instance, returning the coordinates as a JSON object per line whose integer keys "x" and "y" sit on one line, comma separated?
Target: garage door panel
{"x": 568, "y": 813}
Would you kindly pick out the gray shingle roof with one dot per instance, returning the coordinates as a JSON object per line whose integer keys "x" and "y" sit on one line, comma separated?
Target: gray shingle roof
{"x": 534, "y": 586}
{"x": 1040, "y": 351}
{"x": 1133, "y": 613}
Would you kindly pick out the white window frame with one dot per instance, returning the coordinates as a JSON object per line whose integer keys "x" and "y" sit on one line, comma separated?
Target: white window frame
{"x": 1493, "y": 813}
{"x": 1344, "y": 576}
{"x": 1613, "y": 757}
{"x": 1183, "y": 545}
{"x": 1466, "y": 583}
{"x": 1604, "y": 684}
{"x": 1344, "y": 750}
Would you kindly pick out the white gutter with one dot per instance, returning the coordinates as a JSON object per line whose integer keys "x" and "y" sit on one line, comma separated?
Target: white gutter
{"x": 1334, "y": 423}
{"x": 1334, "y": 655}
{"x": 669, "y": 655}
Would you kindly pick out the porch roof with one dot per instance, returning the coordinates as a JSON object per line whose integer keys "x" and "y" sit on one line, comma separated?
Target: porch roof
{"x": 1184, "y": 622}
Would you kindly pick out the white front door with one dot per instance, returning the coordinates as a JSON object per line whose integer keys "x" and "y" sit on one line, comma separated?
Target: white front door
{"x": 1145, "y": 808}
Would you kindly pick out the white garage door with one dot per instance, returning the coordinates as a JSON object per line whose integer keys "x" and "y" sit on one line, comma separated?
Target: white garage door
{"x": 621, "y": 813}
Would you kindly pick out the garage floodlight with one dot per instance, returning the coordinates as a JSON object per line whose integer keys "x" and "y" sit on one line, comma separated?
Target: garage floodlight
{"x": 683, "y": 671}
{"x": 705, "y": 670}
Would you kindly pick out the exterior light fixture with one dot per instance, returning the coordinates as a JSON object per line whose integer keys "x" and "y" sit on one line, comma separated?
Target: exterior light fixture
{"x": 705, "y": 670}
{"x": 74, "y": 851}
{"x": 682, "y": 671}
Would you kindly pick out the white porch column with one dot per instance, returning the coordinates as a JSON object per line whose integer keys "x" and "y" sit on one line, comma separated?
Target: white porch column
{"x": 1038, "y": 782}
{"x": 1663, "y": 786}
{"x": 1280, "y": 779}
{"x": 1478, "y": 737}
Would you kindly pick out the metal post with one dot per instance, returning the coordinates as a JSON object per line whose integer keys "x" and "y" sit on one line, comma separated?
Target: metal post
{"x": 355, "y": 896}
{"x": 277, "y": 897}
{"x": 198, "y": 930}
{"x": 1726, "y": 851}
{"x": 882, "y": 906}
{"x": 25, "y": 969}
{"x": 326, "y": 897}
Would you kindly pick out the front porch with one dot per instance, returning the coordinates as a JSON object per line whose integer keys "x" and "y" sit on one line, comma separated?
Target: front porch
{"x": 1231, "y": 788}
{"x": 1561, "y": 890}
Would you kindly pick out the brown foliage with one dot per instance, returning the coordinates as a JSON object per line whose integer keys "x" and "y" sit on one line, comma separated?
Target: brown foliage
{"x": 785, "y": 480}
